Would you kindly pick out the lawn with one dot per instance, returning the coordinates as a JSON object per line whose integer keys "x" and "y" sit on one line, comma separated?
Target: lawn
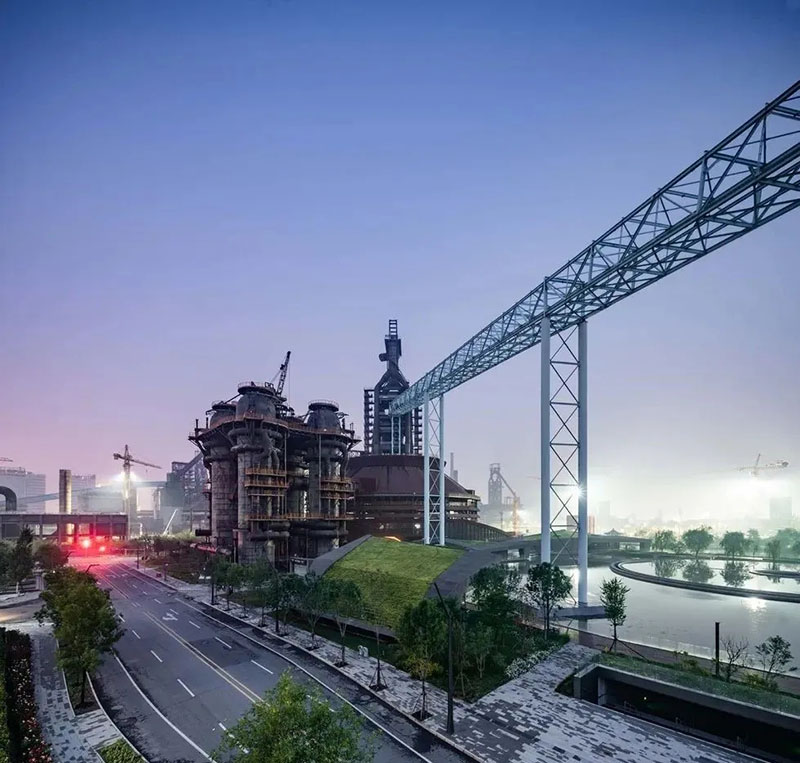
{"x": 738, "y": 691}
{"x": 393, "y": 575}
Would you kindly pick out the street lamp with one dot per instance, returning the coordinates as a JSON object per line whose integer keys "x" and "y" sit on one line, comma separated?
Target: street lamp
{"x": 448, "y": 613}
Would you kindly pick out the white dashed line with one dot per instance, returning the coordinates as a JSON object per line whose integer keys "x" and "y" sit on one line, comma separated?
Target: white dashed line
{"x": 195, "y": 624}
{"x": 156, "y": 656}
{"x": 227, "y": 646}
{"x": 157, "y": 601}
{"x": 259, "y": 665}
{"x": 135, "y": 634}
{"x": 191, "y": 693}
{"x": 135, "y": 604}
{"x": 222, "y": 726}
{"x": 173, "y": 611}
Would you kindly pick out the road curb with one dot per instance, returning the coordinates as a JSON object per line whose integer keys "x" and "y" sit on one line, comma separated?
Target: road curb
{"x": 111, "y": 721}
{"x": 407, "y": 716}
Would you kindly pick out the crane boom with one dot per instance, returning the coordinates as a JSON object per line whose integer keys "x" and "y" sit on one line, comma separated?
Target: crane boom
{"x": 283, "y": 372}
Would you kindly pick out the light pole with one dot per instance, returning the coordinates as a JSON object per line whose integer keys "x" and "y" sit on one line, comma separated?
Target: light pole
{"x": 450, "y": 688}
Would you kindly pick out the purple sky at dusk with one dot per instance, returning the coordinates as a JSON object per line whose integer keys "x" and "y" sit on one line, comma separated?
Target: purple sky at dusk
{"x": 189, "y": 189}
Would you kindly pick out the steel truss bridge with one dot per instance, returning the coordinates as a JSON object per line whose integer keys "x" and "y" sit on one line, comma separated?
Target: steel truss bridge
{"x": 748, "y": 179}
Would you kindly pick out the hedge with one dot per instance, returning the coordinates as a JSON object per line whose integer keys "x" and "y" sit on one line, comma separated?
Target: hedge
{"x": 120, "y": 752}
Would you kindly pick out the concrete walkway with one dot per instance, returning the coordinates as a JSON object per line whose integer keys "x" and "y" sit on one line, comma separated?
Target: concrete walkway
{"x": 72, "y": 739}
{"x": 523, "y": 721}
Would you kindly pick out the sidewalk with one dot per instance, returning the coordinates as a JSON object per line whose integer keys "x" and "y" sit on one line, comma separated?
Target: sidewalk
{"x": 72, "y": 739}
{"x": 523, "y": 721}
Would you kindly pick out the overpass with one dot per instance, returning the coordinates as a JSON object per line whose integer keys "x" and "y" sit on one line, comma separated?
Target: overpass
{"x": 748, "y": 179}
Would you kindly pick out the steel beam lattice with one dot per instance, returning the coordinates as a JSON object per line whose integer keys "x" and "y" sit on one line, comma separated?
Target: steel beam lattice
{"x": 434, "y": 497}
{"x": 747, "y": 180}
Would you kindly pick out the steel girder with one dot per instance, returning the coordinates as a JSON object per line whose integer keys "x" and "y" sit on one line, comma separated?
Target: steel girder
{"x": 748, "y": 179}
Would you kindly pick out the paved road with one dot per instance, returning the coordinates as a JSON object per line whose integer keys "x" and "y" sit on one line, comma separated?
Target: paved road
{"x": 202, "y": 674}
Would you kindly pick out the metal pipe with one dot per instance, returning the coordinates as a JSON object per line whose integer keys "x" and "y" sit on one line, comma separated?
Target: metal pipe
{"x": 544, "y": 444}
{"x": 442, "y": 495}
{"x": 426, "y": 465}
{"x": 583, "y": 467}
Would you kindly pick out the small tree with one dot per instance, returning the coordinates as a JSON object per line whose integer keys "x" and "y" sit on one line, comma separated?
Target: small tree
{"x": 234, "y": 580}
{"x": 294, "y": 724}
{"x": 316, "y": 598}
{"x": 734, "y": 544}
{"x": 664, "y": 540}
{"x": 736, "y": 656}
{"x": 774, "y": 655}
{"x": 697, "y": 540}
{"x": 753, "y": 541}
{"x": 773, "y": 550}
{"x": 480, "y": 644}
{"x": 346, "y": 604}
{"x": 421, "y": 633}
{"x": 259, "y": 578}
{"x": 495, "y": 593}
{"x": 20, "y": 561}
{"x": 50, "y": 555}
{"x": 5, "y": 559}
{"x": 546, "y": 587}
{"x": 613, "y": 595}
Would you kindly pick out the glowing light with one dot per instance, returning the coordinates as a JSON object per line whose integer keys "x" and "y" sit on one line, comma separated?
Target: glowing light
{"x": 102, "y": 549}
{"x": 86, "y": 542}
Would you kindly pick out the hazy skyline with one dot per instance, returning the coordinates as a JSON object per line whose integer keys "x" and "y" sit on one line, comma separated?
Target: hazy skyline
{"x": 191, "y": 189}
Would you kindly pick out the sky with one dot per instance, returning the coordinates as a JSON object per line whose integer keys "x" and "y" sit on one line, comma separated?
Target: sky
{"x": 190, "y": 189}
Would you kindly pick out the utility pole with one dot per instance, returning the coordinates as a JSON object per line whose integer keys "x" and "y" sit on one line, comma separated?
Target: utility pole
{"x": 450, "y": 687}
{"x": 716, "y": 649}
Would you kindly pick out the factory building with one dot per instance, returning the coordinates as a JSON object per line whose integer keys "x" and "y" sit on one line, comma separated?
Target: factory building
{"x": 277, "y": 480}
{"x": 23, "y": 483}
{"x": 389, "y": 488}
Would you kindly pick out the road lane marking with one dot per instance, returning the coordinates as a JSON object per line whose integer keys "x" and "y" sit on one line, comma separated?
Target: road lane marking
{"x": 222, "y": 725}
{"x": 220, "y": 671}
{"x": 135, "y": 604}
{"x": 122, "y": 617}
{"x": 160, "y": 714}
{"x": 195, "y": 624}
{"x": 157, "y": 601}
{"x": 191, "y": 693}
{"x": 173, "y": 611}
{"x": 259, "y": 665}
{"x": 135, "y": 634}
{"x": 227, "y": 646}
{"x": 156, "y": 656}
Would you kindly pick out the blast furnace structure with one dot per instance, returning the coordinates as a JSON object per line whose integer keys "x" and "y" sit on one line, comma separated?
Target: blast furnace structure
{"x": 277, "y": 480}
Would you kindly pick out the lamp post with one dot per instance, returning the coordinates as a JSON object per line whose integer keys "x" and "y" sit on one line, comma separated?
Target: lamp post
{"x": 450, "y": 688}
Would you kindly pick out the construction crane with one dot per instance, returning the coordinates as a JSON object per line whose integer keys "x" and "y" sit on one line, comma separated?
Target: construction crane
{"x": 284, "y": 370}
{"x": 127, "y": 459}
{"x": 756, "y": 469}
{"x": 515, "y": 504}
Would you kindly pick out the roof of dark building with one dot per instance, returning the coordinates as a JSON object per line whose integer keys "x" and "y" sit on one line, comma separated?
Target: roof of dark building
{"x": 395, "y": 475}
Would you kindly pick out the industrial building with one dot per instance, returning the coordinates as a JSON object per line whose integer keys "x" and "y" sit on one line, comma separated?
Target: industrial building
{"x": 277, "y": 480}
{"x": 183, "y": 501}
{"x": 389, "y": 481}
{"x": 23, "y": 484}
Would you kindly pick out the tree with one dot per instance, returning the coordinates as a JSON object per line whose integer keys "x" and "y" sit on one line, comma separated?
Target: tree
{"x": 495, "y": 591}
{"x": 86, "y": 625}
{"x": 753, "y": 540}
{"x": 20, "y": 561}
{"x": 50, "y": 555}
{"x": 294, "y": 724}
{"x": 612, "y": 596}
{"x": 736, "y": 656}
{"x": 315, "y": 600}
{"x": 773, "y": 550}
{"x": 346, "y": 603}
{"x": 795, "y": 548}
{"x": 420, "y": 634}
{"x": 664, "y": 540}
{"x": 233, "y": 581}
{"x": 546, "y": 587}
{"x": 774, "y": 655}
{"x": 5, "y": 558}
{"x": 734, "y": 544}
{"x": 479, "y": 646}
{"x": 697, "y": 540}
{"x": 259, "y": 575}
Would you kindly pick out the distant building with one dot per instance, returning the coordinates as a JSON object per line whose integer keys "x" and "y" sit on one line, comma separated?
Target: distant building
{"x": 24, "y": 484}
{"x": 83, "y": 481}
{"x": 97, "y": 500}
{"x": 780, "y": 512}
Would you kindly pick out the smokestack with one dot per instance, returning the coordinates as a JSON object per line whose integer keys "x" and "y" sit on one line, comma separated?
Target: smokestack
{"x": 64, "y": 491}
{"x": 453, "y": 470}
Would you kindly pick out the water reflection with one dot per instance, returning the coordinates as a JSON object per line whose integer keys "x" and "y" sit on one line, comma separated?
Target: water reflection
{"x": 667, "y": 566}
{"x": 735, "y": 574}
{"x": 697, "y": 571}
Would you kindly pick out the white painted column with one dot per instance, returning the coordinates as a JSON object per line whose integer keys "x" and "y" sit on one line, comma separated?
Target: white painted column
{"x": 426, "y": 479}
{"x": 545, "y": 439}
{"x": 442, "y": 494}
{"x": 583, "y": 467}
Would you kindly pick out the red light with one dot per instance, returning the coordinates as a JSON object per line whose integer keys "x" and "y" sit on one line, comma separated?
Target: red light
{"x": 102, "y": 549}
{"x": 86, "y": 542}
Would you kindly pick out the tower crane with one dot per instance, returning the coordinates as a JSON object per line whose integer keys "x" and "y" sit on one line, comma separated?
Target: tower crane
{"x": 515, "y": 504}
{"x": 758, "y": 467}
{"x": 127, "y": 459}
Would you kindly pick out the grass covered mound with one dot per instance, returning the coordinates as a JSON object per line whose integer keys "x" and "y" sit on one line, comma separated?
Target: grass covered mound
{"x": 392, "y": 575}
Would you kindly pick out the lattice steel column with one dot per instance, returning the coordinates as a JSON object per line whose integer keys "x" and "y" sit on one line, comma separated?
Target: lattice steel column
{"x": 564, "y": 453}
{"x": 434, "y": 476}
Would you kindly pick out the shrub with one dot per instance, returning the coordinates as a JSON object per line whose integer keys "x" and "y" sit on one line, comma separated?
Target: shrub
{"x": 120, "y": 752}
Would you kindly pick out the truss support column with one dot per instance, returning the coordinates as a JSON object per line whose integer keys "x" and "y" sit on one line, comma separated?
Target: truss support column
{"x": 583, "y": 467}
{"x": 442, "y": 494}
{"x": 426, "y": 479}
{"x": 391, "y": 449}
{"x": 545, "y": 440}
